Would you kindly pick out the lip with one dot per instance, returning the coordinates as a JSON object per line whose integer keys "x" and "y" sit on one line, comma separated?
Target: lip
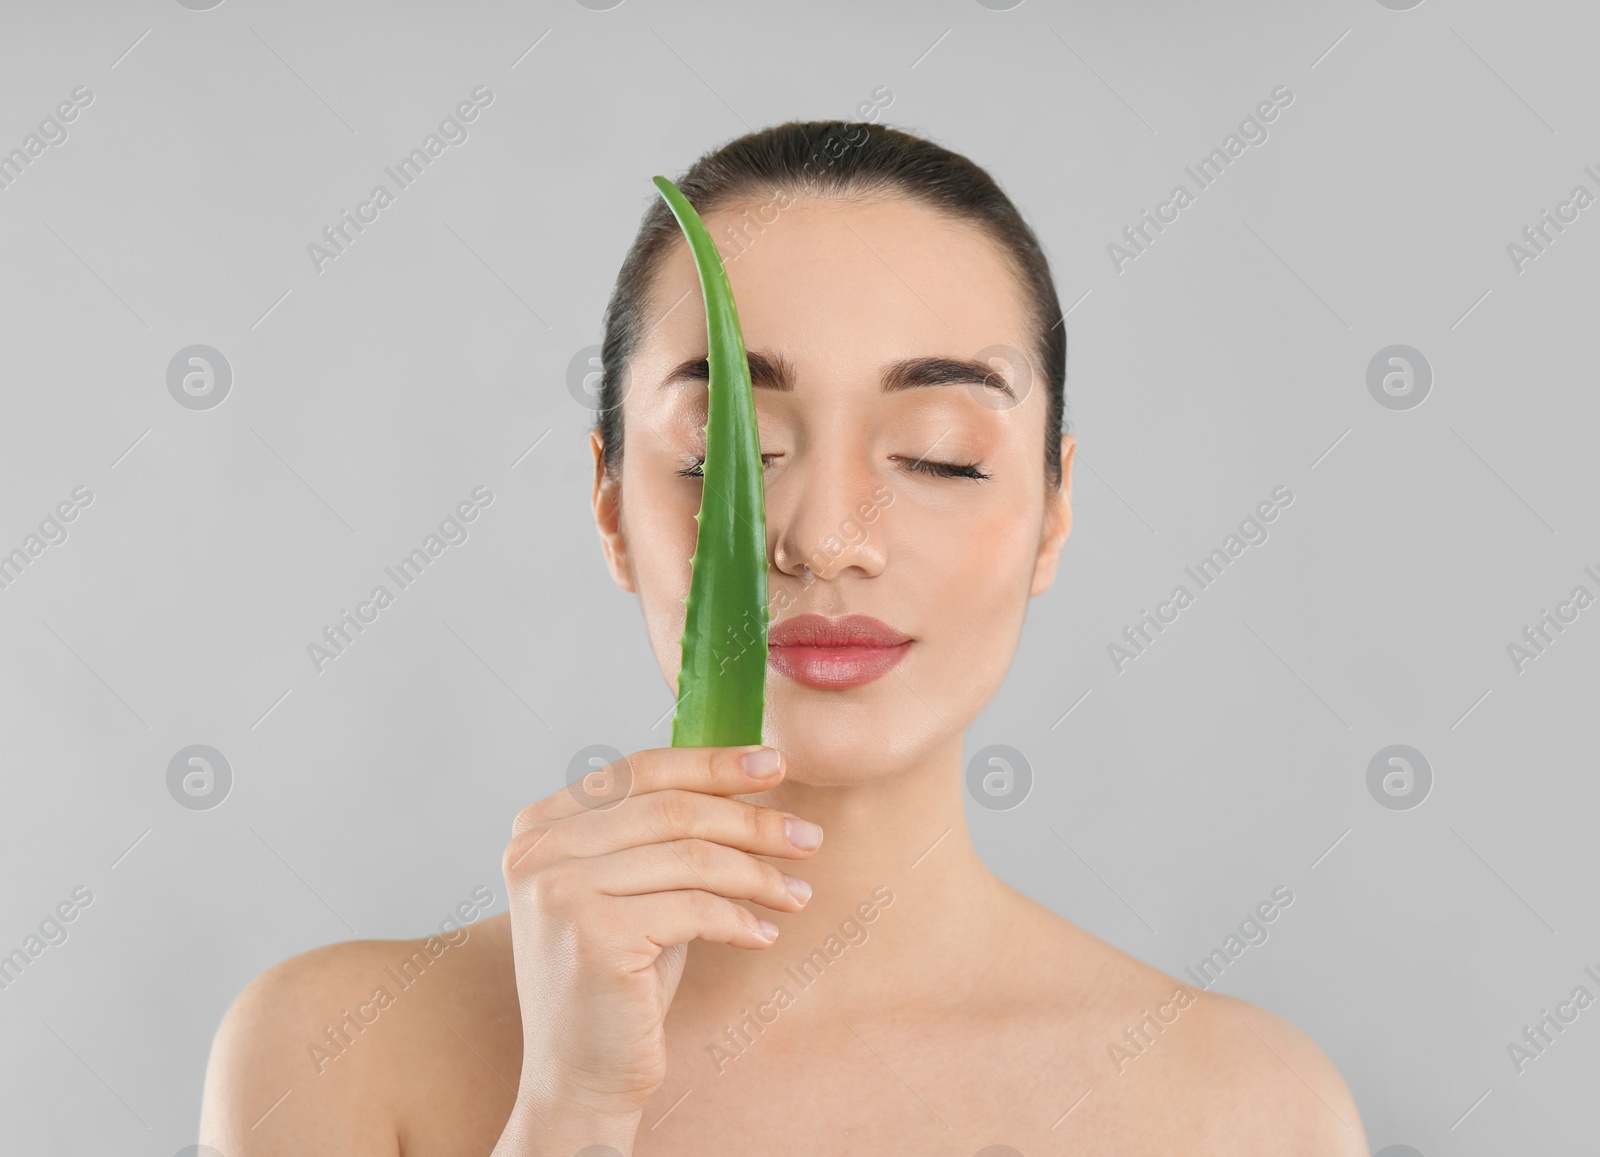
{"x": 833, "y": 654}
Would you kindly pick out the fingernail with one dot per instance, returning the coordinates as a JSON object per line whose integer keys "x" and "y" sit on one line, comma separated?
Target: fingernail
{"x": 798, "y": 888}
{"x": 761, "y": 762}
{"x": 769, "y": 930}
{"x": 802, "y": 833}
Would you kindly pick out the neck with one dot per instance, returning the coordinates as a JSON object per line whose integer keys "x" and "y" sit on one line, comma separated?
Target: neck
{"x": 900, "y": 900}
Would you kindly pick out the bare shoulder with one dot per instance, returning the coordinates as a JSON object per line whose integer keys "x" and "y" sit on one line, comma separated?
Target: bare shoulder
{"x": 1176, "y": 1068}
{"x": 1262, "y": 1084}
{"x": 1212, "y": 1073}
{"x": 267, "y": 1091}
{"x": 327, "y": 1051}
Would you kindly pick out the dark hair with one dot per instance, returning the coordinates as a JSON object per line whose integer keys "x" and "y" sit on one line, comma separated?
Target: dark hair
{"x": 839, "y": 159}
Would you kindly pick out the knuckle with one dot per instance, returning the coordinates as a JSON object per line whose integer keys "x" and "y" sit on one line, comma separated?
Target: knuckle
{"x": 555, "y": 886}
{"x": 772, "y": 877}
{"x": 514, "y": 859}
{"x": 722, "y": 762}
{"x": 700, "y": 855}
{"x": 526, "y": 818}
{"x": 646, "y": 766}
{"x": 520, "y": 858}
{"x": 674, "y": 811}
{"x": 709, "y": 910}
{"x": 764, "y": 824}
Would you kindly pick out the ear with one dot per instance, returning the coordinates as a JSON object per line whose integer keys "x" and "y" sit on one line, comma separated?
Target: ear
{"x": 1057, "y": 522}
{"x": 607, "y": 504}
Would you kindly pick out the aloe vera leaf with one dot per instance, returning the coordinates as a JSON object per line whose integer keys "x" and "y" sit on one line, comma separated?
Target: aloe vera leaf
{"x": 722, "y": 678}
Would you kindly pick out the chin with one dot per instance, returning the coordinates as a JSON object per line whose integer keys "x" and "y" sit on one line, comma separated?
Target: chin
{"x": 829, "y": 741}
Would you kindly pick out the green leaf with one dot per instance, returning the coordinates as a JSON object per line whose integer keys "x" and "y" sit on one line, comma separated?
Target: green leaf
{"x": 722, "y": 679}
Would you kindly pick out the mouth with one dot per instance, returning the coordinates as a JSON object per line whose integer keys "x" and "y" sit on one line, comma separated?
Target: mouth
{"x": 834, "y": 654}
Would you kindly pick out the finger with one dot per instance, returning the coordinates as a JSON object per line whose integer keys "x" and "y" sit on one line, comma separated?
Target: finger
{"x": 663, "y": 816}
{"x": 694, "y": 864}
{"x": 668, "y": 918}
{"x": 715, "y": 770}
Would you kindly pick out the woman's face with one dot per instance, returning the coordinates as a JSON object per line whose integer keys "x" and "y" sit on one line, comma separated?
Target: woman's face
{"x": 835, "y": 298}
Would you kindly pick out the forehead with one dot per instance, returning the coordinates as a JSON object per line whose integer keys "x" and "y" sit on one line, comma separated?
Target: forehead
{"x": 840, "y": 285}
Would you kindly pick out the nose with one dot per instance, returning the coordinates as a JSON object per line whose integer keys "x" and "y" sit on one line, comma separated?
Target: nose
{"x": 824, "y": 517}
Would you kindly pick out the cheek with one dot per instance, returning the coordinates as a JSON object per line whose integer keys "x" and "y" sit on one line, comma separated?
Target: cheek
{"x": 976, "y": 555}
{"x": 989, "y": 581}
{"x": 658, "y": 524}
{"x": 965, "y": 580}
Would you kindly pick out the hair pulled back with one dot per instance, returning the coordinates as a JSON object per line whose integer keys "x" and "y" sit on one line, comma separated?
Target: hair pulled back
{"x": 837, "y": 159}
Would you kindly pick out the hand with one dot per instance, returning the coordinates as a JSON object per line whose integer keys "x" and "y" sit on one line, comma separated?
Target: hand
{"x": 605, "y": 898}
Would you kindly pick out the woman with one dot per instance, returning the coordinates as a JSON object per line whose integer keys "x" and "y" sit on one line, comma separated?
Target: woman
{"x": 795, "y": 949}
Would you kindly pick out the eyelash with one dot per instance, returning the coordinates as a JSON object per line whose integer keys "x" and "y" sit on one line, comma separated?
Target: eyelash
{"x": 936, "y": 469}
{"x": 950, "y": 470}
{"x": 693, "y": 470}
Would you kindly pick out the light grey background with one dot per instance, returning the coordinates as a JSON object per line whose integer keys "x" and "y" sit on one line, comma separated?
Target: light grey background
{"x": 432, "y": 357}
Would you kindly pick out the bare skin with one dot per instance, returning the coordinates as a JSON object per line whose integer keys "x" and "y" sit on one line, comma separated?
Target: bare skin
{"x": 629, "y": 997}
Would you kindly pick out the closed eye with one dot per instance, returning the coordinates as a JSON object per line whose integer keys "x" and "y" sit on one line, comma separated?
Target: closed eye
{"x": 693, "y": 470}
{"x": 921, "y": 465}
{"x": 949, "y": 469}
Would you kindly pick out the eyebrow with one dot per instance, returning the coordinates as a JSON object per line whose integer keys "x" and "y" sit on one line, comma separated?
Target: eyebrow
{"x": 774, "y": 372}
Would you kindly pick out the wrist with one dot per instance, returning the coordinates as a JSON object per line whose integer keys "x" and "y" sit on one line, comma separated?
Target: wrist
{"x": 557, "y": 1127}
